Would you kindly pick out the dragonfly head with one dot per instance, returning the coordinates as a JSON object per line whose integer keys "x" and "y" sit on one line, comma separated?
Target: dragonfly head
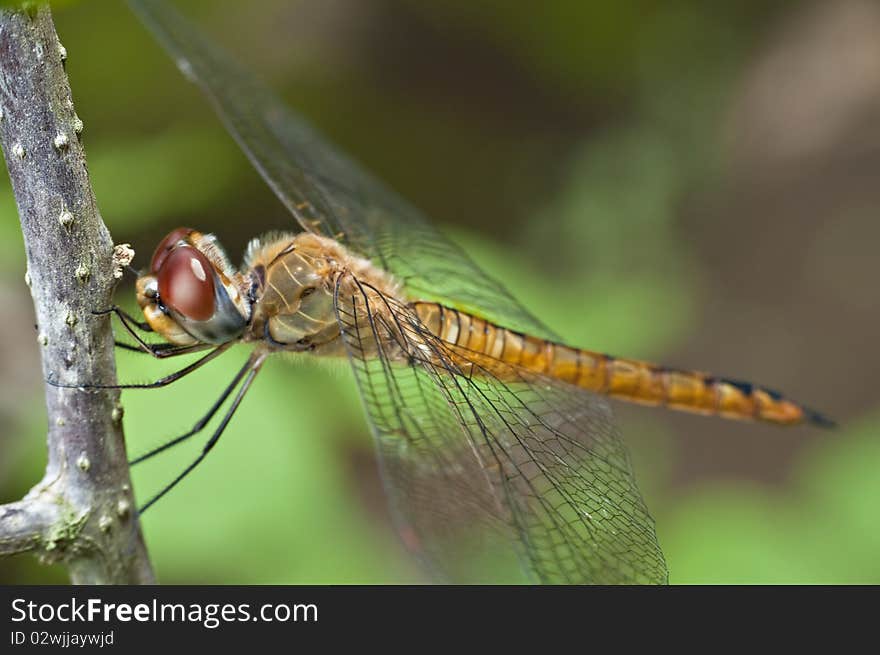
{"x": 192, "y": 293}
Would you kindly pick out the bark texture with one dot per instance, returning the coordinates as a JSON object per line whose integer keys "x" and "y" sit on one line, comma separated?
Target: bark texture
{"x": 82, "y": 512}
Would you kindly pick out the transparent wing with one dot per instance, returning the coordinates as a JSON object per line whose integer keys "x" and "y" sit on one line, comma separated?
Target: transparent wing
{"x": 514, "y": 458}
{"x": 480, "y": 453}
{"x": 325, "y": 191}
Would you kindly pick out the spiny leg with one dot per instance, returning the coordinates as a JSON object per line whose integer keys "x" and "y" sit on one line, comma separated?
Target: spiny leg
{"x": 161, "y": 382}
{"x": 159, "y": 351}
{"x": 164, "y": 350}
{"x": 202, "y": 422}
{"x": 123, "y": 315}
{"x": 129, "y": 323}
{"x": 253, "y": 366}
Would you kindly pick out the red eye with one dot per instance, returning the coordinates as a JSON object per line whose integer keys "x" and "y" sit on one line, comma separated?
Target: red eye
{"x": 166, "y": 246}
{"x": 186, "y": 283}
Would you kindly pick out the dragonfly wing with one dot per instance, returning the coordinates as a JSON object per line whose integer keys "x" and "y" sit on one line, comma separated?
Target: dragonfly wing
{"x": 506, "y": 453}
{"x": 530, "y": 457}
{"x": 324, "y": 190}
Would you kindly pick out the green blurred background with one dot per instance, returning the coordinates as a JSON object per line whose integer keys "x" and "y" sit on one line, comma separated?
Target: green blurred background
{"x": 691, "y": 181}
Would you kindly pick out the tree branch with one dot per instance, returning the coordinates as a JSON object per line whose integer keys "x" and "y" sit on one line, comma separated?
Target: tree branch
{"x": 81, "y": 513}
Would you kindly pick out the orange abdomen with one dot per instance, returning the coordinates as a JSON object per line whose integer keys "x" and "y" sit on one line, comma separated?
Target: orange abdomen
{"x": 627, "y": 379}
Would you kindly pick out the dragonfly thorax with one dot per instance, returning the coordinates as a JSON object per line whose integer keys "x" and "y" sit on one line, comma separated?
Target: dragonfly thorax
{"x": 294, "y": 280}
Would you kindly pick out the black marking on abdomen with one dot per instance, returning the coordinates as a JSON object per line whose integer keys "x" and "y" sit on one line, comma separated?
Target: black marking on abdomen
{"x": 775, "y": 395}
{"x": 746, "y": 387}
{"x": 749, "y": 388}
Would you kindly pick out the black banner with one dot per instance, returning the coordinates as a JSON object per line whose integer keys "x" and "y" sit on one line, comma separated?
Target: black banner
{"x": 167, "y": 617}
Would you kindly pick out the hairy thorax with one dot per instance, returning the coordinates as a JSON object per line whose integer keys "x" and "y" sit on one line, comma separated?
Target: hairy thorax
{"x": 294, "y": 281}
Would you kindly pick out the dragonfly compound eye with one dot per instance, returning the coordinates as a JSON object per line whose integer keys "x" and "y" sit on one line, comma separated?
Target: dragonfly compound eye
{"x": 186, "y": 283}
{"x": 169, "y": 243}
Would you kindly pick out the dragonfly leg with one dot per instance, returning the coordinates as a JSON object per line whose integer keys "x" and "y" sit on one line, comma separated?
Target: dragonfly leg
{"x": 164, "y": 350}
{"x": 157, "y": 350}
{"x": 251, "y": 368}
{"x": 124, "y": 316}
{"x": 202, "y": 422}
{"x": 161, "y": 382}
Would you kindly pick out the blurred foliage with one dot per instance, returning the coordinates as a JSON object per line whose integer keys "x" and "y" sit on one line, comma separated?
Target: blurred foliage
{"x": 554, "y": 141}
{"x": 822, "y": 529}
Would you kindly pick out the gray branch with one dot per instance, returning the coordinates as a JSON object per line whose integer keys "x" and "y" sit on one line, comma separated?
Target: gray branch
{"x": 82, "y": 512}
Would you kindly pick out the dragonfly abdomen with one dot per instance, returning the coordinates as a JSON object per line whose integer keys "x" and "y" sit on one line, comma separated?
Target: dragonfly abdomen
{"x": 626, "y": 379}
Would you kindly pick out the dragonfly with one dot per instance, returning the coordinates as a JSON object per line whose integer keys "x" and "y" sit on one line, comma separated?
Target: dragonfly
{"x": 486, "y": 424}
